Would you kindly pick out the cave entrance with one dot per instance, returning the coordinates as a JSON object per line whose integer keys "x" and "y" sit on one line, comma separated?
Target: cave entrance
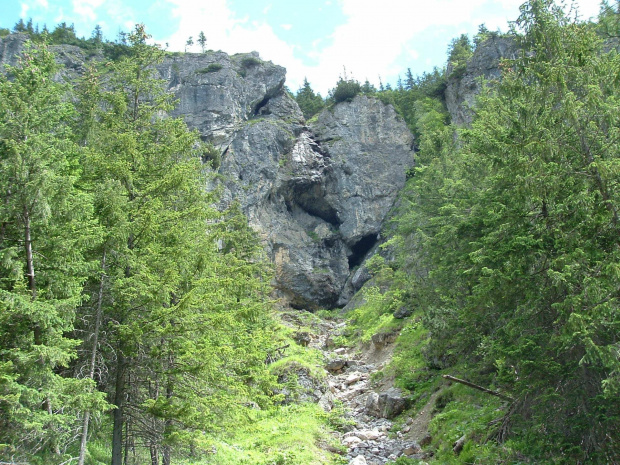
{"x": 360, "y": 249}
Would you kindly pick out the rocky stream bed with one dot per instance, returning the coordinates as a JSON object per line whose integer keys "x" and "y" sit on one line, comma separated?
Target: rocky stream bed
{"x": 370, "y": 438}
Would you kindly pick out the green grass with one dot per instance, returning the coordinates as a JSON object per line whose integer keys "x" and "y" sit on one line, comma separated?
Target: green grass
{"x": 374, "y": 315}
{"x": 465, "y": 412}
{"x": 288, "y": 435}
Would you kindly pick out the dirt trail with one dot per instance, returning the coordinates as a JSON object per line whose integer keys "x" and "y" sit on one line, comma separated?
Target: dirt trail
{"x": 373, "y": 439}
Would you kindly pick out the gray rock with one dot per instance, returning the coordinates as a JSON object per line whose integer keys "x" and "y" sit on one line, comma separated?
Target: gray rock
{"x": 359, "y": 460}
{"x": 411, "y": 449}
{"x": 326, "y": 402}
{"x": 298, "y": 385}
{"x": 335, "y": 365}
{"x": 391, "y": 403}
{"x": 11, "y": 47}
{"x": 317, "y": 195}
{"x": 217, "y": 93}
{"x": 403, "y": 312}
{"x": 380, "y": 340}
{"x": 302, "y": 338}
{"x": 372, "y": 404}
{"x": 461, "y": 91}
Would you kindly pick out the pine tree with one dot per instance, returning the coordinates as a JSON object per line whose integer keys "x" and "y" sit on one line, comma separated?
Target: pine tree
{"x": 163, "y": 278}
{"x": 309, "y": 102}
{"x": 45, "y": 228}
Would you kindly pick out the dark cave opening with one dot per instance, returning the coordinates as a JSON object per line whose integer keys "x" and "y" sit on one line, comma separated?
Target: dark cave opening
{"x": 261, "y": 107}
{"x": 360, "y": 249}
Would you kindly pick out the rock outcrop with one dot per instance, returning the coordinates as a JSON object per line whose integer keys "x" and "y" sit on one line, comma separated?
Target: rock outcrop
{"x": 317, "y": 193}
{"x": 462, "y": 90}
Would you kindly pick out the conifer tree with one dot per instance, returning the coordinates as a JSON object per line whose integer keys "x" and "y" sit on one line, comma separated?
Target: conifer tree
{"x": 309, "y": 102}
{"x": 45, "y": 227}
{"x": 179, "y": 310}
{"x": 517, "y": 231}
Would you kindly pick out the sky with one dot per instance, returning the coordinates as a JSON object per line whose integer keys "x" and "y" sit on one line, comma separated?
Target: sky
{"x": 320, "y": 40}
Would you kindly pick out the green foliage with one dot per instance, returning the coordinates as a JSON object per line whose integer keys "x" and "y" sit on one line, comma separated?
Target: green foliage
{"x": 46, "y": 229}
{"x": 309, "y": 102}
{"x": 608, "y": 25}
{"x": 420, "y": 97}
{"x": 466, "y": 412}
{"x": 211, "y": 155}
{"x": 459, "y": 51}
{"x": 510, "y": 234}
{"x": 212, "y": 68}
{"x": 202, "y": 41}
{"x": 288, "y": 435}
{"x": 171, "y": 266}
{"x": 250, "y": 61}
{"x": 345, "y": 90}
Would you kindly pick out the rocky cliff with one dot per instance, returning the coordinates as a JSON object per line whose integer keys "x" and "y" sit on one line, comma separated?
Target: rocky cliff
{"x": 317, "y": 192}
{"x": 462, "y": 89}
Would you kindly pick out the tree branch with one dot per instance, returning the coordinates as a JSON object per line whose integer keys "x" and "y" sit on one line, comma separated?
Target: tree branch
{"x": 480, "y": 388}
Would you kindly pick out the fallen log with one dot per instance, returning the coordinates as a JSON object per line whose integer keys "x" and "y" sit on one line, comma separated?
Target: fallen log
{"x": 480, "y": 388}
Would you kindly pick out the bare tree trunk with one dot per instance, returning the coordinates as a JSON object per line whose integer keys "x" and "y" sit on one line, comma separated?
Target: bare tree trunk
{"x": 32, "y": 286}
{"x": 29, "y": 257}
{"x": 154, "y": 454}
{"x": 93, "y": 359}
{"x": 119, "y": 414}
{"x": 165, "y": 460}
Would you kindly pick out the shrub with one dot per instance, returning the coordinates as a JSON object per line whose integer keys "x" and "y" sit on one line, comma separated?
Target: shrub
{"x": 212, "y": 68}
{"x": 248, "y": 62}
{"x": 346, "y": 90}
{"x": 212, "y": 155}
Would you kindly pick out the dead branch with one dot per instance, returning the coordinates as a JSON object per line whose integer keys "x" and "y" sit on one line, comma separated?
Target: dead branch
{"x": 480, "y": 388}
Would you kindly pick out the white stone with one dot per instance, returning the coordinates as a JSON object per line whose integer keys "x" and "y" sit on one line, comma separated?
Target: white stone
{"x": 359, "y": 460}
{"x": 351, "y": 441}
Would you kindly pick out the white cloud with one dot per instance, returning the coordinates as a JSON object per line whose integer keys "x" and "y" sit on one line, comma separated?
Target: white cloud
{"x": 286, "y": 27}
{"x": 374, "y": 39}
{"x": 24, "y": 10}
{"x": 232, "y": 34}
{"x": 85, "y": 9}
{"x": 28, "y": 5}
{"x": 60, "y": 16}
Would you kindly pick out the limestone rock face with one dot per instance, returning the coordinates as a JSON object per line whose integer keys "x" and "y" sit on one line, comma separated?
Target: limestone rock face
{"x": 316, "y": 193}
{"x": 370, "y": 149}
{"x": 461, "y": 91}
{"x": 11, "y": 47}
{"x": 218, "y": 92}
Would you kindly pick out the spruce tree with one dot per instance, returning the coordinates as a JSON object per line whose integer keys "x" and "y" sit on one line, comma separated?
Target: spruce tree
{"x": 516, "y": 228}
{"x": 186, "y": 319}
{"x": 309, "y": 102}
{"x": 45, "y": 228}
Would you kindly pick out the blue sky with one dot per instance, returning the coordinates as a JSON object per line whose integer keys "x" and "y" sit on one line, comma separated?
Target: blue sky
{"x": 316, "y": 39}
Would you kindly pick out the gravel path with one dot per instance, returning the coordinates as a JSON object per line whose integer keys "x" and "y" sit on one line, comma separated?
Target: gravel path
{"x": 372, "y": 440}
